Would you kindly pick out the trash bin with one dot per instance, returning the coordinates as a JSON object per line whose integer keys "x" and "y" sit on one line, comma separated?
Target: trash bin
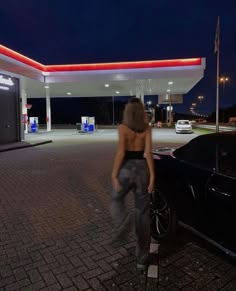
{"x": 78, "y": 126}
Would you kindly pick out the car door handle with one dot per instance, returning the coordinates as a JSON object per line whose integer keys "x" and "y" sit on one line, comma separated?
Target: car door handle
{"x": 217, "y": 191}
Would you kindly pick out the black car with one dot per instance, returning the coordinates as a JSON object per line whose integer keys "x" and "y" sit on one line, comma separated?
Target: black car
{"x": 196, "y": 187}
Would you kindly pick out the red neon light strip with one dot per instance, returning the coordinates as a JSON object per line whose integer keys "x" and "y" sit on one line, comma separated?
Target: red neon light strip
{"x": 125, "y": 65}
{"x": 100, "y": 66}
{"x": 23, "y": 59}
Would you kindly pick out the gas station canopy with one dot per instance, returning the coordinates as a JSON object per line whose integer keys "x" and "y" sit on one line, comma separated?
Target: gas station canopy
{"x": 157, "y": 77}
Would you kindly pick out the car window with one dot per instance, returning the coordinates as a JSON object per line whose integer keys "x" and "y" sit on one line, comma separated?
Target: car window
{"x": 183, "y": 122}
{"x": 198, "y": 152}
{"x": 211, "y": 151}
{"x": 227, "y": 160}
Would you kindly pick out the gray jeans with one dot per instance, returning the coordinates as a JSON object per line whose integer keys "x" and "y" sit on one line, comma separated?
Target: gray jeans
{"x": 134, "y": 176}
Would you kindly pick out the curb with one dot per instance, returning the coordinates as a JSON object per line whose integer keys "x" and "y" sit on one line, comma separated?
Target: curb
{"x": 153, "y": 272}
{"x": 25, "y": 146}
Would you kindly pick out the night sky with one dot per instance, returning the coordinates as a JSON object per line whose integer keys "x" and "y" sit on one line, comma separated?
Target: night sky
{"x": 76, "y": 31}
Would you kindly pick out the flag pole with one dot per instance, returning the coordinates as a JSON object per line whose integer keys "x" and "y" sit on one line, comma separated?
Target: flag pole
{"x": 217, "y": 50}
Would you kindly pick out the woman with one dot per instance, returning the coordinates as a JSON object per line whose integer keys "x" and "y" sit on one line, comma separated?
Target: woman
{"x": 133, "y": 171}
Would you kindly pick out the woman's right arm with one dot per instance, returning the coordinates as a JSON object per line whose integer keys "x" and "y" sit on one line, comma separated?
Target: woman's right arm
{"x": 149, "y": 158}
{"x": 118, "y": 158}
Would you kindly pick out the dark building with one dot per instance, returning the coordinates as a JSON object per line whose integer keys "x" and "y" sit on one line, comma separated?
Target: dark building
{"x": 10, "y": 124}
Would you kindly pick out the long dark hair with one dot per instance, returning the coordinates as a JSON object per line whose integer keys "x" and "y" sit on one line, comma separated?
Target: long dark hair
{"x": 134, "y": 115}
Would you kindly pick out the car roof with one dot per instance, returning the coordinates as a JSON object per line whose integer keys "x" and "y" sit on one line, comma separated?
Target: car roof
{"x": 221, "y": 137}
{"x": 224, "y": 135}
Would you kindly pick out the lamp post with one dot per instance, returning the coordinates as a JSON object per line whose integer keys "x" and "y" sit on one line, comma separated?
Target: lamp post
{"x": 223, "y": 80}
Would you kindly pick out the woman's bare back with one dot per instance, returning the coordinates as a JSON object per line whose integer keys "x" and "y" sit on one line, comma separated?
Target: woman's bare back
{"x": 134, "y": 141}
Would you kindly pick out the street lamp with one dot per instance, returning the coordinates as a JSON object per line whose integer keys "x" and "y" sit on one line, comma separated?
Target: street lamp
{"x": 223, "y": 80}
{"x": 200, "y": 98}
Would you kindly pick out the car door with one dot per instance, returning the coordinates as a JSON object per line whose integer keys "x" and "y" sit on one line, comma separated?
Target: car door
{"x": 196, "y": 164}
{"x": 221, "y": 197}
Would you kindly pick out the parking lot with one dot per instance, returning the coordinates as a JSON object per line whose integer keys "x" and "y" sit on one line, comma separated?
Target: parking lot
{"x": 55, "y": 225}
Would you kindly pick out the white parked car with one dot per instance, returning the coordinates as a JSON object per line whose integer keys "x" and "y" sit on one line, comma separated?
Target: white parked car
{"x": 183, "y": 126}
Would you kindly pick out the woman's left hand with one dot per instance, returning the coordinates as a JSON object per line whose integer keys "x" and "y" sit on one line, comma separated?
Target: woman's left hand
{"x": 116, "y": 184}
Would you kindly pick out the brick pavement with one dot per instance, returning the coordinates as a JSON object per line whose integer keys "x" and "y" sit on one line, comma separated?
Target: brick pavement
{"x": 55, "y": 227}
{"x": 190, "y": 264}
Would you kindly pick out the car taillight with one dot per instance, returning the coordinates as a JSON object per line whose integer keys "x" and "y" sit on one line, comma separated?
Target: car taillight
{"x": 157, "y": 157}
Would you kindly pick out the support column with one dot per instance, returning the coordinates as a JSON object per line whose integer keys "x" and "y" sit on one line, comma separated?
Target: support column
{"x": 137, "y": 89}
{"x": 170, "y": 114}
{"x": 24, "y": 109}
{"x": 169, "y": 111}
{"x": 48, "y": 108}
{"x": 113, "y": 110}
{"x": 142, "y": 91}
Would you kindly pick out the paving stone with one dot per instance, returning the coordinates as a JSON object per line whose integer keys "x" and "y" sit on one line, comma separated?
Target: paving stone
{"x": 34, "y": 265}
{"x": 104, "y": 265}
{"x": 202, "y": 281}
{"x": 114, "y": 258}
{"x": 85, "y": 246}
{"x": 85, "y": 255}
{"x": 36, "y": 256}
{"x": 96, "y": 284}
{"x": 90, "y": 263}
{"x": 80, "y": 283}
{"x": 62, "y": 259}
{"x": 17, "y": 285}
{"x": 6, "y": 271}
{"x": 55, "y": 287}
{"x": 49, "y": 278}
{"x": 76, "y": 261}
{"x": 20, "y": 263}
{"x": 93, "y": 273}
{"x": 34, "y": 287}
{"x": 71, "y": 289}
{"x": 34, "y": 276}
{"x": 111, "y": 285}
{"x": 20, "y": 273}
{"x": 100, "y": 256}
{"x": 216, "y": 284}
{"x": 77, "y": 271}
{"x": 64, "y": 280}
{"x": 99, "y": 249}
{"x": 7, "y": 281}
{"x": 123, "y": 278}
{"x": 63, "y": 269}
{"x": 48, "y": 267}
{"x": 48, "y": 257}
